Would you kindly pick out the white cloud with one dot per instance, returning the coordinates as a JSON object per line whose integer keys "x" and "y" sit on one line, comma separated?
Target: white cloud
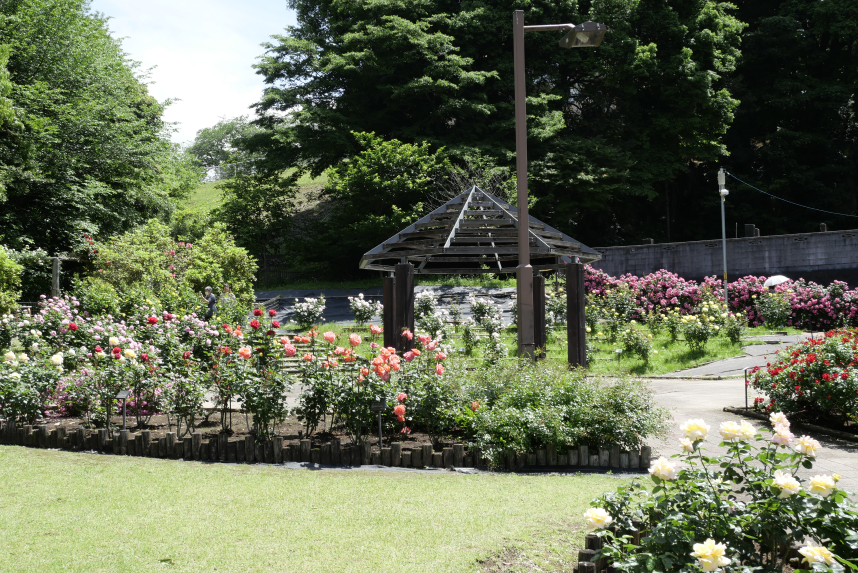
{"x": 203, "y": 52}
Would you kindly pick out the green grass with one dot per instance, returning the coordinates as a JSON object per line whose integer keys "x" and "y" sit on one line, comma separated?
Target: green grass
{"x": 61, "y": 511}
{"x": 671, "y": 356}
{"x": 207, "y": 196}
{"x": 204, "y": 198}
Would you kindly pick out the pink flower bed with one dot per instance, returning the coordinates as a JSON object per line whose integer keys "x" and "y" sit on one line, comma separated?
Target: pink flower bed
{"x": 814, "y": 306}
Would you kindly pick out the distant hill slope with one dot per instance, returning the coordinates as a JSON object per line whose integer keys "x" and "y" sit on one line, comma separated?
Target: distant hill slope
{"x": 208, "y": 195}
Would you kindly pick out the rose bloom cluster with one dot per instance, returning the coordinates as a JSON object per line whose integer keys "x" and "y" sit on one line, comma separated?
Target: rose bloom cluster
{"x": 813, "y": 306}
{"x": 813, "y": 377}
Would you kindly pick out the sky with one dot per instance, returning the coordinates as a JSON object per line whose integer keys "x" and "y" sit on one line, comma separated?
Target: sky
{"x": 202, "y": 52}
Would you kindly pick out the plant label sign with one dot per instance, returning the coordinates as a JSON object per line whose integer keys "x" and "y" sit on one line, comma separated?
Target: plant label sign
{"x": 377, "y": 406}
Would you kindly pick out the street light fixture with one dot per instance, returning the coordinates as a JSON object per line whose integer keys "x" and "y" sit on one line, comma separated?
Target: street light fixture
{"x": 586, "y": 35}
{"x": 722, "y": 191}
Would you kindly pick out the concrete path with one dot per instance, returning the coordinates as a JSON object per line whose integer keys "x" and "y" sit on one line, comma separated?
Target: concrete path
{"x": 706, "y": 399}
{"x": 755, "y": 355}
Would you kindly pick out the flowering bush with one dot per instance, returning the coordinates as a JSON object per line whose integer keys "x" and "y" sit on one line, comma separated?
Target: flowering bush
{"x": 637, "y": 343}
{"x": 363, "y": 310}
{"x": 424, "y": 305}
{"x": 740, "y": 511}
{"x": 309, "y": 312}
{"x": 774, "y": 308}
{"x": 815, "y": 380}
{"x": 812, "y": 306}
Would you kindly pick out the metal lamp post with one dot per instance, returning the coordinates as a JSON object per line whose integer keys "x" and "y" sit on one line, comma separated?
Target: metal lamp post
{"x": 586, "y": 35}
{"x": 722, "y": 180}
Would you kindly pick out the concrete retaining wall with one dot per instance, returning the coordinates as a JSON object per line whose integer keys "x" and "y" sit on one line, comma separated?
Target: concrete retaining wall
{"x": 821, "y": 257}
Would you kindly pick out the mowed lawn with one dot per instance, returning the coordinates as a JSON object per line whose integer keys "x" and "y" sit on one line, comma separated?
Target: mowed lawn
{"x": 62, "y": 511}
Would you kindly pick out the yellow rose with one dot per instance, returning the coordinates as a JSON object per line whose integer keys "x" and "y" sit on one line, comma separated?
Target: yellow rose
{"x": 597, "y": 518}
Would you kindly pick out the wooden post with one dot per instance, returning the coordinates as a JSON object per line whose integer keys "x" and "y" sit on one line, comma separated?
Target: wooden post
{"x": 385, "y": 456}
{"x": 146, "y": 436}
{"x": 153, "y": 449}
{"x": 604, "y": 457}
{"x": 43, "y": 435}
{"x": 427, "y": 454}
{"x": 540, "y": 337}
{"x": 162, "y": 448}
{"x": 336, "y": 452}
{"x": 188, "y": 448}
{"x": 594, "y": 460}
{"x": 458, "y": 455}
{"x": 417, "y": 457}
{"x": 391, "y": 328}
{"x": 437, "y": 459}
{"x": 575, "y": 325}
{"x": 646, "y": 454}
{"x": 634, "y": 459}
{"x": 325, "y": 456}
{"x": 213, "y": 449}
{"x": 615, "y": 456}
{"x": 305, "y": 451}
{"x": 295, "y": 452}
{"x": 196, "y": 444}
{"x": 231, "y": 452}
{"x": 541, "y": 456}
{"x": 573, "y": 456}
{"x": 259, "y": 453}
{"x": 249, "y": 449}
{"x": 551, "y": 457}
{"x": 171, "y": 443}
{"x": 366, "y": 454}
{"x": 448, "y": 457}
{"x": 28, "y": 431}
{"x": 404, "y": 305}
{"x": 223, "y": 441}
{"x": 562, "y": 460}
{"x": 375, "y": 458}
{"x": 55, "y": 277}
{"x": 405, "y": 460}
{"x": 396, "y": 454}
{"x": 278, "y": 449}
{"x": 583, "y": 455}
{"x": 624, "y": 460}
{"x": 81, "y": 439}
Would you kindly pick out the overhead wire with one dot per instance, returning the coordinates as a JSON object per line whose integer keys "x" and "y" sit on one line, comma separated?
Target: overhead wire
{"x": 787, "y": 200}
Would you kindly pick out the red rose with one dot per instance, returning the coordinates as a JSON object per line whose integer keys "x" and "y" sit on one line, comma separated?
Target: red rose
{"x": 254, "y": 324}
{"x": 99, "y": 349}
{"x": 225, "y": 326}
{"x": 152, "y": 320}
{"x": 117, "y": 350}
{"x": 270, "y": 333}
{"x": 275, "y": 324}
{"x": 144, "y": 357}
{"x": 72, "y": 326}
{"x": 272, "y": 313}
{"x": 186, "y": 354}
{"x": 257, "y": 312}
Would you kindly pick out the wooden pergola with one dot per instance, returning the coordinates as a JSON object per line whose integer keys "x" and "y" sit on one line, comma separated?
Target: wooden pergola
{"x": 477, "y": 233}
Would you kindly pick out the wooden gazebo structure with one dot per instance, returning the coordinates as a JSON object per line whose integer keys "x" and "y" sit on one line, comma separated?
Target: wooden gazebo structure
{"x": 475, "y": 233}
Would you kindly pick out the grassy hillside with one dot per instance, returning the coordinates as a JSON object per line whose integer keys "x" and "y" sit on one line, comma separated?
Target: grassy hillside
{"x": 208, "y": 195}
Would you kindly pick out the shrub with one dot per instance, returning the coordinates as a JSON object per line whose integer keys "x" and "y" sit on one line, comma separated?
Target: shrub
{"x": 555, "y": 308}
{"x": 309, "y": 312}
{"x": 774, "y": 308}
{"x": 743, "y": 509}
{"x": 637, "y": 343}
{"x": 734, "y": 327}
{"x": 524, "y": 406}
{"x": 424, "y": 305}
{"x": 815, "y": 380}
{"x": 10, "y": 283}
{"x": 697, "y": 330}
{"x": 364, "y": 310}
{"x": 434, "y": 324}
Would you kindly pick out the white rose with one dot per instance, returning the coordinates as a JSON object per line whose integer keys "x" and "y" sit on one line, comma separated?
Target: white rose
{"x": 730, "y": 431}
{"x": 779, "y": 418}
{"x": 57, "y": 359}
{"x": 710, "y": 555}
{"x": 822, "y": 485}
{"x": 10, "y": 356}
{"x": 597, "y": 518}
{"x": 695, "y": 430}
{"x": 113, "y": 341}
{"x": 786, "y": 483}
{"x": 663, "y": 469}
{"x": 807, "y": 446}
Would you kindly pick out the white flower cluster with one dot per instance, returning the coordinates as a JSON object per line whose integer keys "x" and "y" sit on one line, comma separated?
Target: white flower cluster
{"x": 310, "y": 311}
{"x": 362, "y": 309}
{"x": 424, "y": 305}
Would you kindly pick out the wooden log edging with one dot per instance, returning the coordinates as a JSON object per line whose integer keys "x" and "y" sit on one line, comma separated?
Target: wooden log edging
{"x": 278, "y": 451}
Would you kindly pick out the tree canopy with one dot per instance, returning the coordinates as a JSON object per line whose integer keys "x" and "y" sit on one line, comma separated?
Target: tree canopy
{"x": 83, "y": 146}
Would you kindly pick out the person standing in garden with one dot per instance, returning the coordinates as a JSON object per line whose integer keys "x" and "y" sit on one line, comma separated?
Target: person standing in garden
{"x": 227, "y": 299}
{"x": 211, "y": 301}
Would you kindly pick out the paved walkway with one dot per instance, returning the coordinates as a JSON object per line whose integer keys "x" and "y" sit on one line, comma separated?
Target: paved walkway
{"x": 755, "y": 355}
{"x": 706, "y": 399}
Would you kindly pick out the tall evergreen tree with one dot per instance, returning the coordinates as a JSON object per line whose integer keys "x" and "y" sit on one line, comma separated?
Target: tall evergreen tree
{"x": 608, "y": 128}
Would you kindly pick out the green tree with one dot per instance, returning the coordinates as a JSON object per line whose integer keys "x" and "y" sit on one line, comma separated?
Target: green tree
{"x": 373, "y": 195}
{"x": 608, "y": 128}
{"x": 221, "y": 144}
{"x": 90, "y": 153}
{"x": 10, "y": 282}
{"x": 796, "y": 133}
{"x": 257, "y": 209}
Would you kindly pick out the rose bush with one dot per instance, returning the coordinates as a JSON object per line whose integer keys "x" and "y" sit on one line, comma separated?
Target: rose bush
{"x": 815, "y": 380}
{"x": 741, "y": 511}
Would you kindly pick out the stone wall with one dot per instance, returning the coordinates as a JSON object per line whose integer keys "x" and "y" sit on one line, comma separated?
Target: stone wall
{"x": 821, "y": 257}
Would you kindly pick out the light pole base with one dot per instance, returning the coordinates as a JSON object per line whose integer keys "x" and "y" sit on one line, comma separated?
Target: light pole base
{"x": 524, "y": 302}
